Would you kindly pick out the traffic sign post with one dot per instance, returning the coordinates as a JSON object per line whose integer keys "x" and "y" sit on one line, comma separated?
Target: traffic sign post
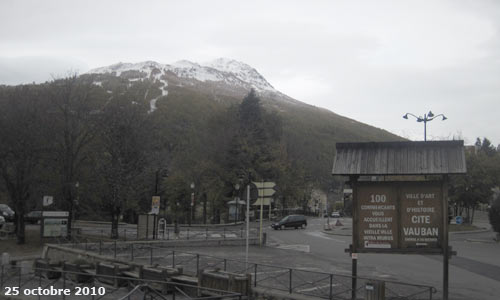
{"x": 155, "y": 210}
{"x": 265, "y": 191}
{"x": 155, "y": 205}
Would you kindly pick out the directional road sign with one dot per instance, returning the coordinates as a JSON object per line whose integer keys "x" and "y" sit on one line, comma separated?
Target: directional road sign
{"x": 266, "y": 189}
{"x": 266, "y": 193}
{"x": 265, "y": 185}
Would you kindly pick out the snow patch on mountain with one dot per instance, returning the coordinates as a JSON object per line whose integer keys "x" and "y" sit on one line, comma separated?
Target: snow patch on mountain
{"x": 221, "y": 70}
{"x": 242, "y": 72}
{"x": 163, "y": 88}
{"x": 119, "y": 68}
{"x": 187, "y": 69}
{"x": 225, "y": 70}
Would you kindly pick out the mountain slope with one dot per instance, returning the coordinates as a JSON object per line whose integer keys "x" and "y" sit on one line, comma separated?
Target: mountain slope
{"x": 187, "y": 95}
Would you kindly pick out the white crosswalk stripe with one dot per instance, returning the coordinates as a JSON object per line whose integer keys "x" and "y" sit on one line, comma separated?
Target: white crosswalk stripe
{"x": 302, "y": 248}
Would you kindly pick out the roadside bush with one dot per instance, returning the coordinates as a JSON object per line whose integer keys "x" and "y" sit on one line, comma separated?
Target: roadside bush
{"x": 494, "y": 214}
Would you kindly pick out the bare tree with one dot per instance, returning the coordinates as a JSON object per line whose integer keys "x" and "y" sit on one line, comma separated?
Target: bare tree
{"x": 23, "y": 146}
{"x": 74, "y": 103}
{"x": 124, "y": 137}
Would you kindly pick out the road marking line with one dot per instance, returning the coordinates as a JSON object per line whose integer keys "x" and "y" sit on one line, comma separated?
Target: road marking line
{"x": 323, "y": 236}
{"x": 302, "y": 248}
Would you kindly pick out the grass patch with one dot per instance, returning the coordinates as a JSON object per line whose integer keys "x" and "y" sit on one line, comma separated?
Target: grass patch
{"x": 462, "y": 227}
{"x": 33, "y": 245}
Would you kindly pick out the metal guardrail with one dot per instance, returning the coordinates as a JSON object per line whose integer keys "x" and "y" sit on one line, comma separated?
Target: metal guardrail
{"x": 17, "y": 281}
{"x": 294, "y": 281}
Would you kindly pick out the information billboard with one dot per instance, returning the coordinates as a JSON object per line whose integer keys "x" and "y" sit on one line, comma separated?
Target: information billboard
{"x": 398, "y": 216}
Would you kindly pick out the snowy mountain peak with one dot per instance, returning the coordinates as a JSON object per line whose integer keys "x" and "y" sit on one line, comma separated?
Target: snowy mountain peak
{"x": 242, "y": 72}
{"x": 120, "y": 67}
{"x": 228, "y": 65}
{"x": 183, "y": 64}
{"x": 222, "y": 70}
{"x": 228, "y": 71}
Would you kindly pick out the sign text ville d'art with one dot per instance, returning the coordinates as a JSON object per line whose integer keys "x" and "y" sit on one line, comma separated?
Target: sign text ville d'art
{"x": 401, "y": 216}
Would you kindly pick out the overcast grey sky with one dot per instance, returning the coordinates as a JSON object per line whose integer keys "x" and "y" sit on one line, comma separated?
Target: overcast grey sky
{"x": 372, "y": 61}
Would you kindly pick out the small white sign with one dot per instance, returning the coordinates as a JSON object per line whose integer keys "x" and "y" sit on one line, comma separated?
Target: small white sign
{"x": 354, "y": 255}
{"x": 55, "y": 227}
{"x": 378, "y": 246}
{"x": 48, "y": 200}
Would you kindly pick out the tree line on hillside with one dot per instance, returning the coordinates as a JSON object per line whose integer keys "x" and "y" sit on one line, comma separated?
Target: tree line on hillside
{"x": 103, "y": 154}
{"x": 477, "y": 187}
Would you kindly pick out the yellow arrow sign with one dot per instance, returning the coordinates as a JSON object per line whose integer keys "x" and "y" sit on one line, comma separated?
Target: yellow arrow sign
{"x": 266, "y": 192}
{"x": 265, "y": 185}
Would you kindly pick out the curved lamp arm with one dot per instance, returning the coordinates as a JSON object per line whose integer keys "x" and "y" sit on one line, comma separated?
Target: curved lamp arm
{"x": 440, "y": 115}
{"x": 419, "y": 119}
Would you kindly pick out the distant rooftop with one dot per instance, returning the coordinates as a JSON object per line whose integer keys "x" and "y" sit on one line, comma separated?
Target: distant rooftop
{"x": 400, "y": 158}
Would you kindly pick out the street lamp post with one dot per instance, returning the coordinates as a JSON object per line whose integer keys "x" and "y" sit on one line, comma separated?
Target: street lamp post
{"x": 176, "y": 221}
{"x": 75, "y": 202}
{"x": 427, "y": 118}
{"x": 237, "y": 188}
{"x": 247, "y": 217}
{"x": 192, "y": 203}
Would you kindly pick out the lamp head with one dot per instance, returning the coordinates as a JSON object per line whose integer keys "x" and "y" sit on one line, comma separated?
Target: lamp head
{"x": 430, "y": 114}
{"x": 420, "y": 119}
{"x": 444, "y": 118}
{"x": 405, "y": 117}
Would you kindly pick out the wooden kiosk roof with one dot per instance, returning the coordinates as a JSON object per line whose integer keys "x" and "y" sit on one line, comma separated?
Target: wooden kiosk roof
{"x": 400, "y": 158}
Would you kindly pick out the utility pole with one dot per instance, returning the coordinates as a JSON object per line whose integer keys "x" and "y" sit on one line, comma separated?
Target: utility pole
{"x": 248, "y": 221}
{"x": 261, "y": 216}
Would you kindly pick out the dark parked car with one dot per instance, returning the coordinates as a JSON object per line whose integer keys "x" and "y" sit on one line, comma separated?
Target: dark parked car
{"x": 295, "y": 221}
{"x": 7, "y": 212}
{"x": 33, "y": 217}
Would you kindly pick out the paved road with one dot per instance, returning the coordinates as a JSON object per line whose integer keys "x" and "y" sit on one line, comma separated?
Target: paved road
{"x": 474, "y": 273}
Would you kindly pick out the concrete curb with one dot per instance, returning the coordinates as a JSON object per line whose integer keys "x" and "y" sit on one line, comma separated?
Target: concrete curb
{"x": 334, "y": 232}
{"x": 492, "y": 241}
{"x": 471, "y": 231}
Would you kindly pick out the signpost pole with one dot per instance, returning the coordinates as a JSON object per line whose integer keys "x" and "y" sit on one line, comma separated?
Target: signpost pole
{"x": 270, "y": 209}
{"x": 261, "y": 215}
{"x": 354, "y": 254}
{"x": 248, "y": 225}
{"x": 445, "y": 237}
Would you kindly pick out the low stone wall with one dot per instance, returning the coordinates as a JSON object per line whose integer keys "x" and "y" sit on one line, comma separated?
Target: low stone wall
{"x": 226, "y": 281}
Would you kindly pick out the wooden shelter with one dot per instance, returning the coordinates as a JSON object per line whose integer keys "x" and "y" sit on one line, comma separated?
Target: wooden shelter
{"x": 401, "y": 205}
